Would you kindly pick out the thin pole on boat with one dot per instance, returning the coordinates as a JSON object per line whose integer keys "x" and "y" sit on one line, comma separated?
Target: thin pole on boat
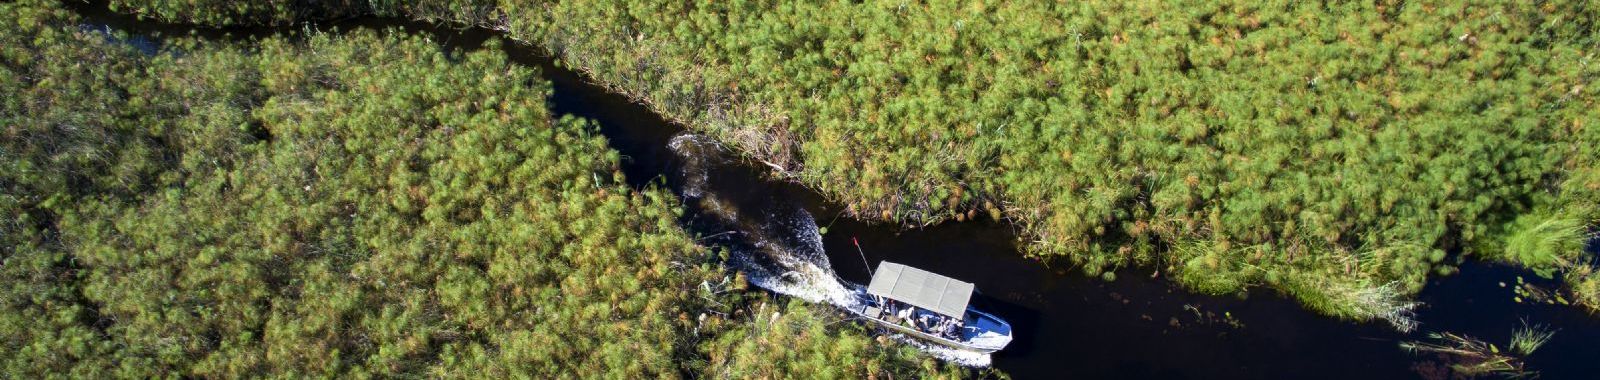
{"x": 863, "y": 256}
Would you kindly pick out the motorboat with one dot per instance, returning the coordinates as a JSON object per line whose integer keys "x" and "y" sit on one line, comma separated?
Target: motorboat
{"x": 929, "y": 307}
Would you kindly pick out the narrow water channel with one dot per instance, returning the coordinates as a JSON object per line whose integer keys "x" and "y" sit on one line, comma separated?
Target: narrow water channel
{"x": 1067, "y": 325}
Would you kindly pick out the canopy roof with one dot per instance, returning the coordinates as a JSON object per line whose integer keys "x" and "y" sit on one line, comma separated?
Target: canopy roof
{"x": 921, "y": 288}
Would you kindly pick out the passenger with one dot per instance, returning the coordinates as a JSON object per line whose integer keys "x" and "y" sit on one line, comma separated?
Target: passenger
{"x": 905, "y": 316}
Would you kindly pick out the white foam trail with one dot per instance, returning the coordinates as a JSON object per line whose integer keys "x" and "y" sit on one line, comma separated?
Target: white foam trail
{"x": 694, "y": 174}
{"x": 806, "y": 280}
{"x": 802, "y": 269}
{"x": 786, "y": 254}
{"x": 805, "y": 283}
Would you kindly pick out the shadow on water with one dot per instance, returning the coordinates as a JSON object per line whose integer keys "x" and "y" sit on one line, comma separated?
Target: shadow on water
{"x": 1068, "y": 324}
{"x": 1482, "y": 301}
{"x": 1134, "y": 327}
{"x": 1021, "y": 319}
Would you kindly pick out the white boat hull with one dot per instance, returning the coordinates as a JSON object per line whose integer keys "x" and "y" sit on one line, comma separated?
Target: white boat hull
{"x": 983, "y": 333}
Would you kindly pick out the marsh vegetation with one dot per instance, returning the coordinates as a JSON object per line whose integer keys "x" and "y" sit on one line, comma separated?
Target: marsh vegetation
{"x": 1471, "y": 357}
{"x": 1335, "y": 153}
{"x": 365, "y": 202}
{"x": 349, "y": 204}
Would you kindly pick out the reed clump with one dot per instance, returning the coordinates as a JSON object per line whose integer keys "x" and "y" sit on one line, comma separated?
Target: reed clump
{"x": 1583, "y": 282}
{"x": 1471, "y": 357}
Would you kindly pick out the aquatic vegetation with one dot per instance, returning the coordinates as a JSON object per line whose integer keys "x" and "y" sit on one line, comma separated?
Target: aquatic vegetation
{"x": 1584, "y": 284}
{"x": 806, "y": 340}
{"x": 1472, "y": 357}
{"x": 1526, "y": 292}
{"x": 1207, "y": 318}
{"x": 1546, "y": 244}
{"x": 1528, "y": 339}
{"x": 1109, "y": 130}
{"x": 353, "y": 205}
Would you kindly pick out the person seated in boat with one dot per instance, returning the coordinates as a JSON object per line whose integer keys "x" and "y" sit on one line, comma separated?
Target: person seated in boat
{"x": 904, "y": 316}
{"x": 938, "y": 326}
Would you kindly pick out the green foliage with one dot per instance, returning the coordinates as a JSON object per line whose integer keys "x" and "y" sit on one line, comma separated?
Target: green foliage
{"x": 1385, "y": 132}
{"x": 1546, "y": 244}
{"x": 222, "y": 12}
{"x": 1108, "y": 128}
{"x": 1527, "y": 339}
{"x": 1470, "y": 357}
{"x": 797, "y": 340}
{"x": 356, "y": 206}
{"x": 1584, "y": 283}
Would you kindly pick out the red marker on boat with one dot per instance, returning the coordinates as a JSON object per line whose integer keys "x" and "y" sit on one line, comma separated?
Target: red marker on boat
{"x": 863, "y": 255}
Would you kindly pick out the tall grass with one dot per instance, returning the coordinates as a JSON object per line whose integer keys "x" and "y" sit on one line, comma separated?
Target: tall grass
{"x": 1583, "y": 281}
{"x": 1526, "y": 340}
{"x": 1545, "y": 244}
{"x": 1358, "y": 299}
{"x": 1332, "y": 281}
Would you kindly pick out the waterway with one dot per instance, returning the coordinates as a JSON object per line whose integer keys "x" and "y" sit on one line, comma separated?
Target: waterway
{"x": 1067, "y": 325}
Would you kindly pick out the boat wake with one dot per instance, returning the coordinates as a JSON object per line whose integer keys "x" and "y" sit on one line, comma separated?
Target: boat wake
{"x": 775, "y": 243}
{"x": 773, "y": 240}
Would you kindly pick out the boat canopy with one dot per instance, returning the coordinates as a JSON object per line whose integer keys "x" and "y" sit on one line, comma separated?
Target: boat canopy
{"x": 921, "y": 288}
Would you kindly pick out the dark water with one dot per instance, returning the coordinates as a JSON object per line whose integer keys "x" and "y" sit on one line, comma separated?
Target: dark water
{"x": 1067, "y": 325}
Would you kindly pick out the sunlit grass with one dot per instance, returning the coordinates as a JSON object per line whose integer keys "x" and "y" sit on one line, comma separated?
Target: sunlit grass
{"x": 1583, "y": 281}
{"x": 1528, "y": 339}
{"x": 1546, "y": 245}
{"x": 1331, "y": 281}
